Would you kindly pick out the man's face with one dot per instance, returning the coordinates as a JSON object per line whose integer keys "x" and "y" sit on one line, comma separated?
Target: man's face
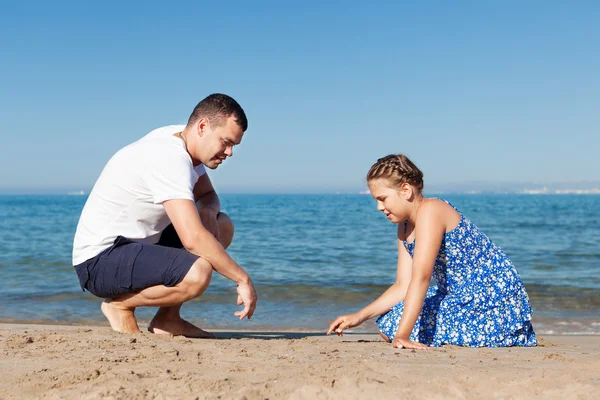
{"x": 217, "y": 142}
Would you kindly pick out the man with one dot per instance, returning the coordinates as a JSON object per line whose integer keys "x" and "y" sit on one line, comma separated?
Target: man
{"x": 126, "y": 252}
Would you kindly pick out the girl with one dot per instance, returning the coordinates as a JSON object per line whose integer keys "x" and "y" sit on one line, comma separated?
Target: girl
{"x": 479, "y": 299}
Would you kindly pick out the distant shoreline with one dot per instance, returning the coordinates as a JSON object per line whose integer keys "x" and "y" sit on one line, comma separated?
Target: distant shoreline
{"x": 554, "y": 192}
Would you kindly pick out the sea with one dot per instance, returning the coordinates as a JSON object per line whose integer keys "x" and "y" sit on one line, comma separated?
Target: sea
{"x": 312, "y": 258}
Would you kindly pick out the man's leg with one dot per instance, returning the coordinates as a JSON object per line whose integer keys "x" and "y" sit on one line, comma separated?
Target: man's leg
{"x": 168, "y": 318}
{"x": 120, "y": 310}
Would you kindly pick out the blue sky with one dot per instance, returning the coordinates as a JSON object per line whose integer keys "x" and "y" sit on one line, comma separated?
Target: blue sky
{"x": 489, "y": 91}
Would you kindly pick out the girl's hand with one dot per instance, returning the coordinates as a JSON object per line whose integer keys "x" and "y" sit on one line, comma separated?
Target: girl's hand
{"x": 406, "y": 343}
{"x": 344, "y": 322}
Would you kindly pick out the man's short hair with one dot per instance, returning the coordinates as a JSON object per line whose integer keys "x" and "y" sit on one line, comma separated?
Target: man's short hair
{"x": 217, "y": 108}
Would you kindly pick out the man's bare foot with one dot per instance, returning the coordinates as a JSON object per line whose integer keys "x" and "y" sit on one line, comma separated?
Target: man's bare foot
{"x": 178, "y": 327}
{"x": 121, "y": 320}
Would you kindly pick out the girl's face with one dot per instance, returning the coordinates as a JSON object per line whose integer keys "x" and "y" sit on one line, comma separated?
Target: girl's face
{"x": 392, "y": 202}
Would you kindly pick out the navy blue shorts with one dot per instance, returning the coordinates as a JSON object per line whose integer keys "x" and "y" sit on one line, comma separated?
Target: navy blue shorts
{"x": 129, "y": 266}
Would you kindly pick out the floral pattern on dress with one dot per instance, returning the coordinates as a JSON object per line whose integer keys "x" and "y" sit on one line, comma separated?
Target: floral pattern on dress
{"x": 479, "y": 300}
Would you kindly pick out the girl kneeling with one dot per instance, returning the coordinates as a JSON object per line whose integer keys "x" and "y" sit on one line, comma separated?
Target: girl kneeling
{"x": 479, "y": 299}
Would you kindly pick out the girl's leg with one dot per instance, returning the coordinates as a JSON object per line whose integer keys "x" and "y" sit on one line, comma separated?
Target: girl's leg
{"x": 384, "y": 337}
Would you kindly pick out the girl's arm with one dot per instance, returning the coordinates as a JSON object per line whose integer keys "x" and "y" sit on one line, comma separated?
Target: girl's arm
{"x": 397, "y": 292}
{"x": 429, "y": 231}
{"x": 393, "y": 295}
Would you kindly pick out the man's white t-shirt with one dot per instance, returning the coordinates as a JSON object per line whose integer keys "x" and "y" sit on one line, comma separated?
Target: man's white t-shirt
{"x": 127, "y": 198}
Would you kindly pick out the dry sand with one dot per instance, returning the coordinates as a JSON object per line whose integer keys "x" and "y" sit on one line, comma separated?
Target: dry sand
{"x": 70, "y": 362}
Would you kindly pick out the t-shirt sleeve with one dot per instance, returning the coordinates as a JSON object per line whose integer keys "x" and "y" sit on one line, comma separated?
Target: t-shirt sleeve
{"x": 171, "y": 177}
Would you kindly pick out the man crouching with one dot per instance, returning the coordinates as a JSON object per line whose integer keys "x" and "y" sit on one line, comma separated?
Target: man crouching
{"x": 151, "y": 231}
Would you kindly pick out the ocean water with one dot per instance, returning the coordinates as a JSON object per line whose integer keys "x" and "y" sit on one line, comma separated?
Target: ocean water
{"x": 313, "y": 257}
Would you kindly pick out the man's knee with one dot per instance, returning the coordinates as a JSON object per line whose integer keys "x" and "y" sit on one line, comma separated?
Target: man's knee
{"x": 226, "y": 229}
{"x": 198, "y": 278}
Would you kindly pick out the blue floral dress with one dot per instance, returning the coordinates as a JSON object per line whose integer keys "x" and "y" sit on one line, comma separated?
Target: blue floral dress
{"x": 479, "y": 300}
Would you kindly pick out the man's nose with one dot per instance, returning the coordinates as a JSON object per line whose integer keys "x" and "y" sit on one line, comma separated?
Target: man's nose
{"x": 229, "y": 151}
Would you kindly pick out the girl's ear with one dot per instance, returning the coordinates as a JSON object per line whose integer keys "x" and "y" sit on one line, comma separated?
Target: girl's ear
{"x": 406, "y": 191}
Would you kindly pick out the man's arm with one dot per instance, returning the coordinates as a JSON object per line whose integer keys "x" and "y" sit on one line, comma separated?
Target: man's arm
{"x": 208, "y": 204}
{"x": 205, "y": 195}
{"x": 198, "y": 240}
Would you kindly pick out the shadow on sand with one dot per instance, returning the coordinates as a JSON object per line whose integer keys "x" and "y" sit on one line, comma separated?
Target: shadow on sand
{"x": 267, "y": 335}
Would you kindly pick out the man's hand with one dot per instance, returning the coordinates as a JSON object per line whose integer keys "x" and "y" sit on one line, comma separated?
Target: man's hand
{"x": 406, "y": 343}
{"x": 344, "y": 322}
{"x": 246, "y": 296}
{"x": 208, "y": 216}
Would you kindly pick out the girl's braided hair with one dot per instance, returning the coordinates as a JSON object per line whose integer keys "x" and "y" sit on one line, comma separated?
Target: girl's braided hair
{"x": 398, "y": 169}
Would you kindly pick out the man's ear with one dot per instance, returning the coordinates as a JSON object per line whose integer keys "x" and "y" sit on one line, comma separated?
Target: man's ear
{"x": 201, "y": 126}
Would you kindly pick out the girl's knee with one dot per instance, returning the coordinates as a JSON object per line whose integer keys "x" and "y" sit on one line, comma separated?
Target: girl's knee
{"x": 384, "y": 336}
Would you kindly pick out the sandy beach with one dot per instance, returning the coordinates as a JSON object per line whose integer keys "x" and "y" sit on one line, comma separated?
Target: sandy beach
{"x": 75, "y": 362}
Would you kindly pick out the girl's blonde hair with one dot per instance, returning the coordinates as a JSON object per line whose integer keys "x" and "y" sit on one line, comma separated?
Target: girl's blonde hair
{"x": 397, "y": 169}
